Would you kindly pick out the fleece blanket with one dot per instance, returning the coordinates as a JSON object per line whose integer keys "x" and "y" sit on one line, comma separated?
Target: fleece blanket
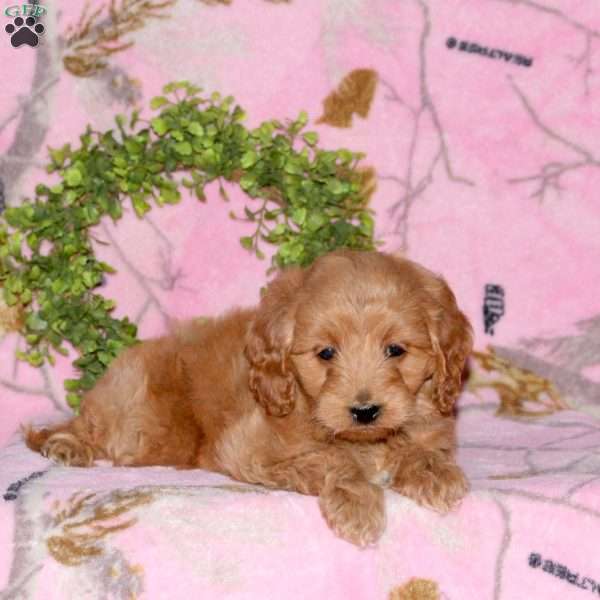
{"x": 480, "y": 120}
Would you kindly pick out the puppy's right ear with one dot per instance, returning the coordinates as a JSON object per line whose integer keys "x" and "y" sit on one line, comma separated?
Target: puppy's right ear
{"x": 268, "y": 344}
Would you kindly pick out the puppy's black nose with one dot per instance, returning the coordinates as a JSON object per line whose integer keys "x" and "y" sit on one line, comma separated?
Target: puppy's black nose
{"x": 365, "y": 414}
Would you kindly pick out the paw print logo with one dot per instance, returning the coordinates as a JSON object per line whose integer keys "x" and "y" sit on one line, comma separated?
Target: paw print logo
{"x": 24, "y": 31}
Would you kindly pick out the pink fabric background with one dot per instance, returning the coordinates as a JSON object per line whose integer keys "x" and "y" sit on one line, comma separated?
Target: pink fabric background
{"x": 448, "y": 133}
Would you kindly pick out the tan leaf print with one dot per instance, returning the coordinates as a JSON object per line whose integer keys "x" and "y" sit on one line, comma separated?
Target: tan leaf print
{"x": 516, "y": 387}
{"x": 11, "y": 317}
{"x": 353, "y": 96}
{"x": 229, "y": 2}
{"x": 368, "y": 182}
{"x": 100, "y": 33}
{"x": 84, "y": 521}
{"x": 416, "y": 589}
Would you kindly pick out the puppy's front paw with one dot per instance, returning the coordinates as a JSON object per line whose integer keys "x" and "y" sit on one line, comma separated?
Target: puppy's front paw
{"x": 434, "y": 483}
{"x": 354, "y": 511}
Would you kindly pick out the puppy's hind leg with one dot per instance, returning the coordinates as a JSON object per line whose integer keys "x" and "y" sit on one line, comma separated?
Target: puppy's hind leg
{"x": 63, "y": 443}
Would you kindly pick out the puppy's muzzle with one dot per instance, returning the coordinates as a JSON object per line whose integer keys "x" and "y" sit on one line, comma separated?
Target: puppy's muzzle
{"x": 365, "y": 414}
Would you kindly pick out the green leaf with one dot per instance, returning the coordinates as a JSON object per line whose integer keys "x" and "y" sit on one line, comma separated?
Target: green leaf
{"x": 299, "y": 216}
{"x": 73, "y": 400}
{"x": 158, "y": 101}
{"x": 170, "y": 195}
{"x": 73, "y": 177}
{"x": 140, "y": 205}
{"x": 106, "y": 268}
{"x": 88, "y": 279}
{"x": 302, "y": 118}
{"x": 246, "y": 242}
{"x": 247, "y": 181}
{"x": 335, "y": 186}
{"x": 33, "y": 241}
{"x": 159, "y": 125}
{"x": 57, "y": 155}
{"x": 86, "y": 139}
{"x": 35, "y": 359}
{"x": 199, "y": 192}
{"x": 10, "y": 298}
{"x": 35, "y": 322}
{"x": 238, "y": 114}
{"x": 13, "y": 216}
{"x": 196, "y": 129}
{"x": 248, "y": 159}
{"x": 183, "y": 148}
{"x": 70, "y": 197}
{"x": 14, "y": 244}
{"x": 71, "y": 384}
{"x": 311, "y": 137}
{"x": 292, "y": 167}
{"x": 115, "y": 210}
{"x": 133, "y": 147}
{"x": 367, "y": 224}
{"x": 315, "y": 221}
{"x": 89, "y": 346}
{"x": 105, "y": 358}
{"x": 135, "y": 115}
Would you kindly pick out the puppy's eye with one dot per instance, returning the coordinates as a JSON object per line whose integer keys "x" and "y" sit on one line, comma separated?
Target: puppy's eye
{"x": 327, "y": 353}
{"x": 394, "y": 350}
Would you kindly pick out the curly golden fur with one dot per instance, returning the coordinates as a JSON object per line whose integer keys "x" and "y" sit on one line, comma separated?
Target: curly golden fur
{"x": 340, "y": 383}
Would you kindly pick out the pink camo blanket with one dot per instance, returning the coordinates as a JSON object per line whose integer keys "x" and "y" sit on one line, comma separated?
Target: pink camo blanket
{"x": 481, "y": 120}
{"x": 528, "y": 529}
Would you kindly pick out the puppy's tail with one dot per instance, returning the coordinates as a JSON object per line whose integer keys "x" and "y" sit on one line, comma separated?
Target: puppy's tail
{"x": 35, "y": 439}
{"x": 60, "y": 443}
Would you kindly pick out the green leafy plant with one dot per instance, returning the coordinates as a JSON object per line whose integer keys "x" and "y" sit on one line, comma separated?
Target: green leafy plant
{"x": 304, "y": 200}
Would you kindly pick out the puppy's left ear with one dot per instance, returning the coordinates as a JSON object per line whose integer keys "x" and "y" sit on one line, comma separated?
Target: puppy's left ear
{"x": 452, "y": 342}
{"x": 269, "y": 342}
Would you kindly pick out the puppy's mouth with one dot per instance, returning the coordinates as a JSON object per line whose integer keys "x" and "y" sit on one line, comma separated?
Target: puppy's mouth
{"x": 365, "y": 433}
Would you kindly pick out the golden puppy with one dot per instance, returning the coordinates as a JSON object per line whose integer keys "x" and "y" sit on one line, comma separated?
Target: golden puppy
{"x": 341, "y": 382}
